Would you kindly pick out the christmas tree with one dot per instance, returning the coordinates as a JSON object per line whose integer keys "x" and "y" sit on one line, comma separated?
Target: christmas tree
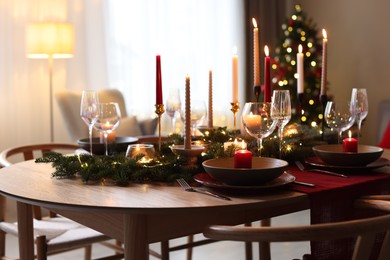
{"x": 300, "y": 30}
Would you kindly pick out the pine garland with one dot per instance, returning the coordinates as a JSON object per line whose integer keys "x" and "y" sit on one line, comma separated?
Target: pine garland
{"x": 166, "y": 167}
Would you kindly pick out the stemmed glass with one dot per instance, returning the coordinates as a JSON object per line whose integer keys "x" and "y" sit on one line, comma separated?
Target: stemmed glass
{"x": 360, "y": 103}
{"x": 108, "y": 119}
{"x": 198, "y": 114}
{"x": 173, "y": 105}
{"x": 89, "y": 111}
{"x": 339, "y": 116}
{"x": 281, "y": 112}
{"x": 257, "y": 121}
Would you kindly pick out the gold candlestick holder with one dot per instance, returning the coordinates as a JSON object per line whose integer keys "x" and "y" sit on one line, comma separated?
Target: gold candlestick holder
{"x": 235, "y": 107}
{"x": 159, "y": 111}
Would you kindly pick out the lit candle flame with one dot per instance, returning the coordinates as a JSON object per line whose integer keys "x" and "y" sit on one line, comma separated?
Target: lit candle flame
{"x": 254, "y": 22}
{"x": 266, "y": 50}
{"x": 235, "y": 50}
{"x": 243, "y": 145}
{"x": 300, "y": 48}
{"x": 324, "y": 34}
{"x": 349, "y": 134}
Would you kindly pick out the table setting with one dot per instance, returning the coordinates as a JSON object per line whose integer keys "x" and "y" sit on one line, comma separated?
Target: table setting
{"x": 264, "y": 140}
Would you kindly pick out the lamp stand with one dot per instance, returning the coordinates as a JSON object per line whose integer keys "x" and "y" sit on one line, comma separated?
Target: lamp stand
{"x": 50, "y": 63}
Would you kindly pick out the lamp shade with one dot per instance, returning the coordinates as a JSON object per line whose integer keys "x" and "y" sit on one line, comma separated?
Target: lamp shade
{"x": 50, "y": 39}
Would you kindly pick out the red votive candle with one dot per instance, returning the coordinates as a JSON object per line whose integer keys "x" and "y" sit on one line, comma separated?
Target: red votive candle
{"x": 350, "y": 145}
{"x": 243, "y": 159}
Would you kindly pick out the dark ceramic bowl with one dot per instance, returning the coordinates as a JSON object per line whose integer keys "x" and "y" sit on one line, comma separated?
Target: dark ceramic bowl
{"x": 333, "y": 154}
{"x": 263, "y": 169}
{"x": 98, "y": 148}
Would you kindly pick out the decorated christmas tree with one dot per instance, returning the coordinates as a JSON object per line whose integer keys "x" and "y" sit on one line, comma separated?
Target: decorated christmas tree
{"x": 300, "y": 30}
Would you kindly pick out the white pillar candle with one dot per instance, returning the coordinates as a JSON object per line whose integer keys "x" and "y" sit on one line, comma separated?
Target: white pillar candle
{"x": 300, "y": 70}
{"x": 324, "y": 63}
{"x": 235, "y": 75}
{"x": 256, "y": 57}
{"x": 187, "y": 127}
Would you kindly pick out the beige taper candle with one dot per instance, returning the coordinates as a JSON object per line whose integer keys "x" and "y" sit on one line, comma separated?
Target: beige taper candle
{"x": 324, "y": 63}
{"x": 187, "y": 135}
{"x": 210, "y": 117}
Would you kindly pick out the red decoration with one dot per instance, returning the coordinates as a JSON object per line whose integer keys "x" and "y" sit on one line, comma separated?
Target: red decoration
{"x": 350, "y": 145}
{"x": 158, "y": 80}
{"x": 243, "y": 159}
{"x": 385, "y": 141}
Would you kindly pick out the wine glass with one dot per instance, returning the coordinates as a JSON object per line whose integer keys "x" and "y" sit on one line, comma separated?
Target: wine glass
{"x": 360, "y": 102}
{"x": 173, "y": 105}
{"x": 108, "y": 119}
{"x": 198, "y": 114}
{"x": 89, "y": 111}
{"x": 257, "y": 121}
{"x": 281, "y": 112}
{"x": 339, "y": 116}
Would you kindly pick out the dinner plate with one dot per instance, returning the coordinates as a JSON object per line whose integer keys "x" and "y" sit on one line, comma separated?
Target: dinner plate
{"x": 208, "y": 181}
{"x": 317, "y": 162}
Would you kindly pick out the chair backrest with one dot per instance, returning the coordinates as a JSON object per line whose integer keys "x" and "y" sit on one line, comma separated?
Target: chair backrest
{"x": 29, "y": 152}
{"x": 69, "y": 103}
{"x": 364, "y": 229}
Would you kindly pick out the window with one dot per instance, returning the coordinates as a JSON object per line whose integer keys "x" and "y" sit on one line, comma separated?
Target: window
{"x": 192, "y": 37}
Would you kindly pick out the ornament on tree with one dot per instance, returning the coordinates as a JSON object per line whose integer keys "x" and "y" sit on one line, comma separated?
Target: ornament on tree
{"x": 300, "y": 30}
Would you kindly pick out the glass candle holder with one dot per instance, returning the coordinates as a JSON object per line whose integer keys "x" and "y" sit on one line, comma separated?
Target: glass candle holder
{"x": 134, "y": 150}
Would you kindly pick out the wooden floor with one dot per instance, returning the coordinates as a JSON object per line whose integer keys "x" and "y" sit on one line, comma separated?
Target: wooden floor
{"x": 215, "y": 251}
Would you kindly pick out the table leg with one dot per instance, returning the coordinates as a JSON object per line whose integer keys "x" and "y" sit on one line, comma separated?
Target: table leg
{"x": 25, "y": 229}
{"x": 135, "y": 237}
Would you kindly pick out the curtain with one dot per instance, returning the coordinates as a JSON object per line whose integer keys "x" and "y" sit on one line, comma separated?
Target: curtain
{"x": 192, "y": 38}
{"x": 24, "y": 83}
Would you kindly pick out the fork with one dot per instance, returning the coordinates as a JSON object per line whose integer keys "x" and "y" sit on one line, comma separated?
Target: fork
{"x": 187, "y": 187}
{"x": 303, "y": 168}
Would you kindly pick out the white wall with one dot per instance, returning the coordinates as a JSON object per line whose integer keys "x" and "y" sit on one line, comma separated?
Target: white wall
{"x": 359, "y": 51}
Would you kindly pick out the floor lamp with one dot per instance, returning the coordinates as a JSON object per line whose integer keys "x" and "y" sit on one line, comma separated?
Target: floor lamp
{"x": 50, "y": 40}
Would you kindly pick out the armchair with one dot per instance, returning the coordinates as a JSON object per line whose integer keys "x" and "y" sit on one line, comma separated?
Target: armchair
{"x": 69, "y": 104}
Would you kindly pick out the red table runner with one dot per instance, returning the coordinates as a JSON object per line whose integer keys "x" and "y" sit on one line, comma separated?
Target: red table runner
{"x": 332, "y": 200}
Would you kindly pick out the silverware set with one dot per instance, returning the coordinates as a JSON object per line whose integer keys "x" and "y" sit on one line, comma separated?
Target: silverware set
{"x": 305, "y": 169}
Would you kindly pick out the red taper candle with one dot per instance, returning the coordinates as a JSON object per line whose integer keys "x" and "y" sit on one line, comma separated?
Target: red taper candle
{"x": 267, "y": 75}
{"x": 158, "y": 81}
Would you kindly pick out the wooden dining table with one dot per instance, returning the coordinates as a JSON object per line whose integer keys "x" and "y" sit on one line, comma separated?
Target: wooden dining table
{"x": 138, "y": 214}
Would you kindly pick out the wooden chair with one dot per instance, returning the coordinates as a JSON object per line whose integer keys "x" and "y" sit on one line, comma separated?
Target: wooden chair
{"x": 364, "y": 229}
{"x": 53, "y": 233}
